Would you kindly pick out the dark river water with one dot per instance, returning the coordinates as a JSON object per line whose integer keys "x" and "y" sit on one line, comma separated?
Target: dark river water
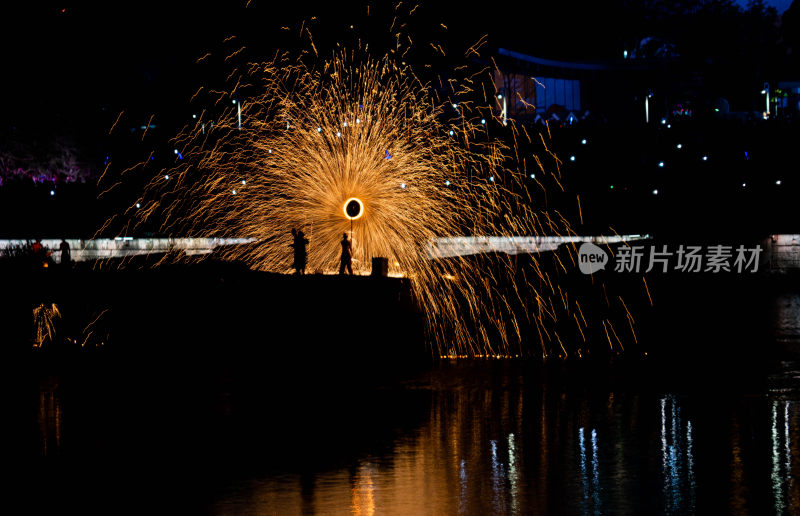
{"x": 674, "y": 436}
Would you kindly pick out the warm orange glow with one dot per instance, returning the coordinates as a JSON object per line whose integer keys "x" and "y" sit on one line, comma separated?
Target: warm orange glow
{"x": 355, "y": 208}
{"x": 352, "y": 124}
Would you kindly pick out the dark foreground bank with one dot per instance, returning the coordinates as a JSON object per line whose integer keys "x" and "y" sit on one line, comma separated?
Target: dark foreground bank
{"x": 207, "y": 313}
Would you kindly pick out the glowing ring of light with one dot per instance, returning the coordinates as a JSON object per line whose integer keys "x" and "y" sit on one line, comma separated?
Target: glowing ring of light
{"x": 348, "y": 203}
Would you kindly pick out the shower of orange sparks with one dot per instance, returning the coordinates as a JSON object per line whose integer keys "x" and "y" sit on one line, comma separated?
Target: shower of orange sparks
{"x": 316, "y": 135}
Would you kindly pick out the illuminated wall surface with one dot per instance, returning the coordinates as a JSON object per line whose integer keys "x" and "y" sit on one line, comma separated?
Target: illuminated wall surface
{"x": 782, "y": 252}
{"x": 85, "y": 250}
{"x": 465, "y": 246}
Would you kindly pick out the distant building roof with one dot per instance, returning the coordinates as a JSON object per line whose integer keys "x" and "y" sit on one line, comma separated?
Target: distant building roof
{"x": 628, "y": 65}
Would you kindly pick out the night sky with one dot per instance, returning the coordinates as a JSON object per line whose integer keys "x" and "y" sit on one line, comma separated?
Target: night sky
{"x": 72, "y": 68}
{"x": 67, "y": 64}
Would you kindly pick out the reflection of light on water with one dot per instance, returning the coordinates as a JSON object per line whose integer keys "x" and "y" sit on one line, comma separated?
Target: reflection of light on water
{"x": 595, "y": 474}
{"x": 786, "y": 435}
{"x": 664, "y": 444}
{"x": 787, "y": 318}
{"x": 498, "y": 477}
{"x": 49, "y": 419}
{"x": 513, "y": 474}
{"x": 677, "y": 459}
{"x": 462, "y": 477}
{"x": 364, "y": 492}
{"x": 584, "y": 476}
{"x": 591, "y": 487}
{"x": 781, "y": 454}
{"x": 456, "y": 463}
{"x": 690, "y": 459}
{"x": 738, "y": 489}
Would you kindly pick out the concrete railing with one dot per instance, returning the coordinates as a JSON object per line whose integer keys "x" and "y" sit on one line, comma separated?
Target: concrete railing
{"x": 100, "y": 248}
{"x": 445, "y": 247}
{"x": 465, "y": 246}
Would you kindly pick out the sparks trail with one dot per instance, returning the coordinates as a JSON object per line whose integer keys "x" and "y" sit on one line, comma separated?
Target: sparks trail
{"x": 316, "y": 133}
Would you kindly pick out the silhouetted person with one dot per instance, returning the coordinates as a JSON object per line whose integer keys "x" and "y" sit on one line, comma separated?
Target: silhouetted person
{"x": 347, "y": 255}
{"x": 39, "y": 252}
{"x": 65, "y": 253}
{"x": 293, "y": 245}
{"x": 300, "y": 254}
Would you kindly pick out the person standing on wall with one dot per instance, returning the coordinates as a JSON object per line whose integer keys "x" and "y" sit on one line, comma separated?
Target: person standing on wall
{"x": 347, "y": 255}
{"x": 65, "y": 253}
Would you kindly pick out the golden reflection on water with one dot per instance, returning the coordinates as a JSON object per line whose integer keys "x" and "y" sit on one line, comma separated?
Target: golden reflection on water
{"x": 738, "y": 501}
{"x": 500, "y": 451}
{"x": 363, "y": 492}
{"x": 49, "y": 417}
{"x": 511, "y": 451}
{"x": 506, "y": 448}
